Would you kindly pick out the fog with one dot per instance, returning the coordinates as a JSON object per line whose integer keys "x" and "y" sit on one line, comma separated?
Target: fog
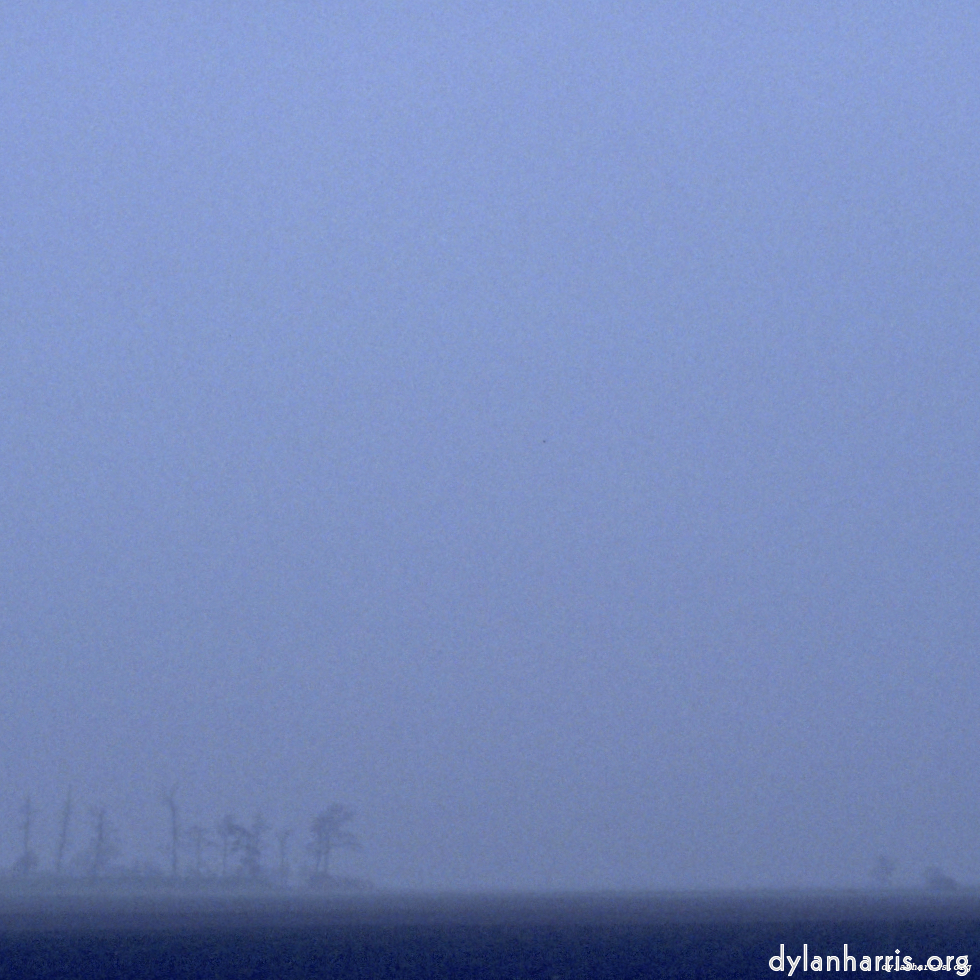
{"x": 549, "y": 430}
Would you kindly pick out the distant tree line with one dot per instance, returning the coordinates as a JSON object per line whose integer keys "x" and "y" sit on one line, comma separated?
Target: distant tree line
{"x": 229, "y": 852}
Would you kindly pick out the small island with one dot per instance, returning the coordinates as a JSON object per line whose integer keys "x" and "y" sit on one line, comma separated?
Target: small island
{"x": 231, "y": 857}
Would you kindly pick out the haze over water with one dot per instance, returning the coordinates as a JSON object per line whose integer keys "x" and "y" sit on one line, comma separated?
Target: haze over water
{"x": 550, "y": 430}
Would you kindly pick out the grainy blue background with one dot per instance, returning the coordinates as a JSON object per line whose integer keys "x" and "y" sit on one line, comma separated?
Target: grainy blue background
{"x": 549, "y": 428}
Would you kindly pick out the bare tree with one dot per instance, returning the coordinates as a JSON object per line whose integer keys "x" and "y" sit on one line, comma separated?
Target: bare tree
{"x": 63, "y": 834}
{"x": 282, "y": 839}
{"x": 103, "y": 847}
{"x": 170, "y": 801}
{"x": 251, "y": 846}
{"x": 245, "y": 843}
{"x": 882, "y": 870}
{"x": 228, "y": 833}
{"x": 328, "y": 832}
{"x": 27, "y": 861}
{"x": 199, "y": 841}
{"x": 937, "y": 880}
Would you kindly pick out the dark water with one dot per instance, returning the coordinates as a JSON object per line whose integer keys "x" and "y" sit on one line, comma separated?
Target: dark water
{"x": 487, "y": 937}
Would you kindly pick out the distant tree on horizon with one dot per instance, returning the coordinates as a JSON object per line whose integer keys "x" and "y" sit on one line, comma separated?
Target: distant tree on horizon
{"x": 228, "y": 831}
{"x": 199, "y": 840}
{"x": 282, "y": 840}
{"x": 245, "y": 843}
{"x": 937, "y": 880}
{"x": 63, "y": 834}
{"x": 170, "y": 801}
{"x": 27, "y": 861}
{"x": 251, "y": 846}
{"x": 328, "y": 832}
{"x": 882, "y": 870}
{"x": 103, "y": 847}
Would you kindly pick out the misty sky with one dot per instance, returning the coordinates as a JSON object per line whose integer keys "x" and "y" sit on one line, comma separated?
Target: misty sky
{"x": 550, "y": 429}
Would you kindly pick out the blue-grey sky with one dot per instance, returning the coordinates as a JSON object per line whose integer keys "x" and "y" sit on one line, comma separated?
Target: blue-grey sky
{"x": 549, "y": 428}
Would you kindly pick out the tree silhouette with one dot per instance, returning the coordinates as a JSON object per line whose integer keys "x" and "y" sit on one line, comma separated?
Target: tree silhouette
{"x": 282, "y": 839}
{"x": 199, "y": 841}
{"x": 27, "y": 861}
{"x": 170, "y": 801}
{"x": 937, "y": 880}
{"x": 328, "y": 831}
{"x": 63, "y": 834}
{"x": 251, "y": 846}
{"x": 103, "y": 847}
{"x": 228, "y": 833}
{"x": 245, "y": 843}
{"x": 882, "y": 870}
